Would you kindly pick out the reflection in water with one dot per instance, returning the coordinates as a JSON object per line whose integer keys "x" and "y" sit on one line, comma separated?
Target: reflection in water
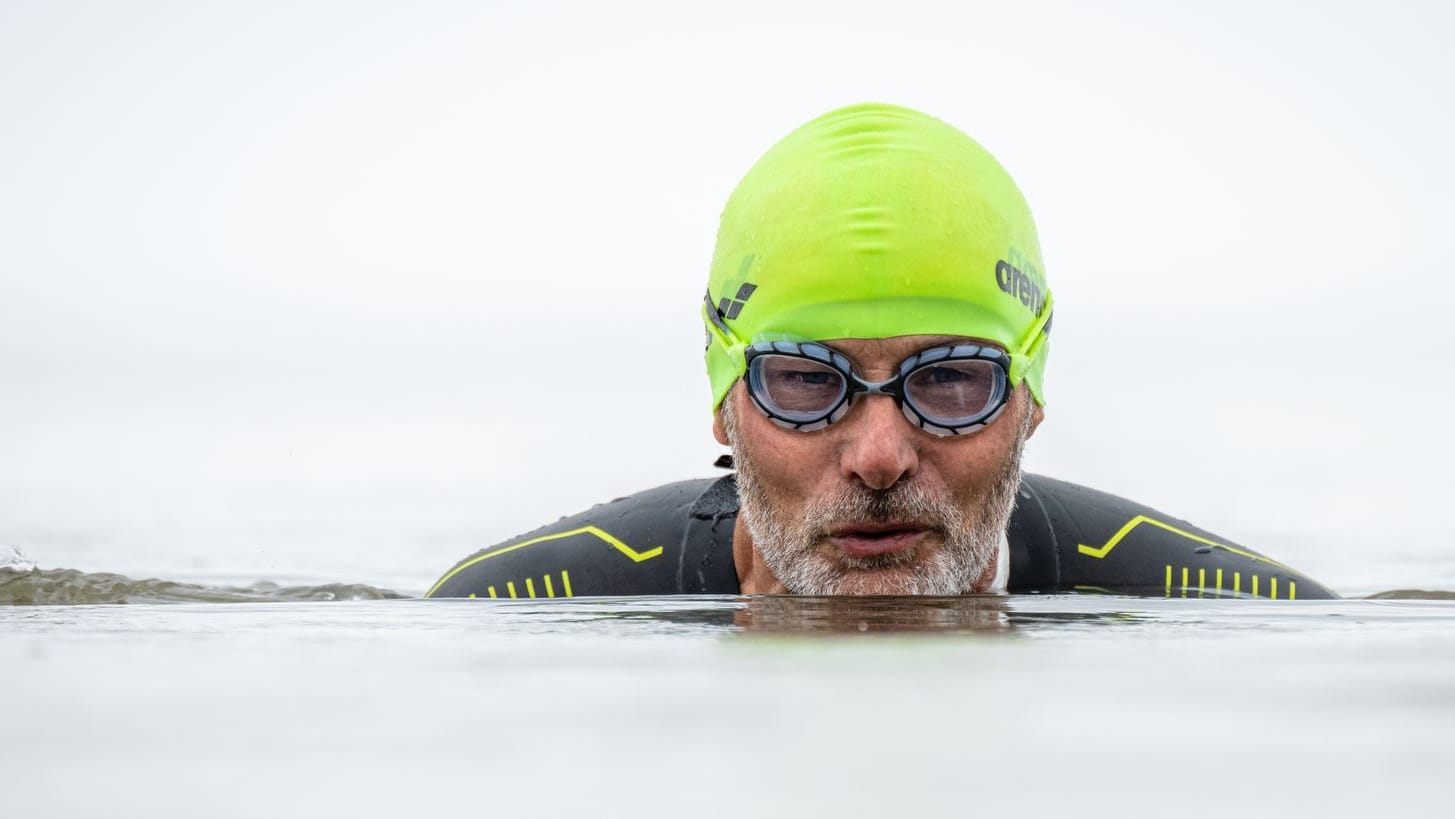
{"x": 977, "y": 614}
{"x": 789, "y": 614}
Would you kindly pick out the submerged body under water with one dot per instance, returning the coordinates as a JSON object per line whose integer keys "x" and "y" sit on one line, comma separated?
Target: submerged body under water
{"x": 717, "y": 706}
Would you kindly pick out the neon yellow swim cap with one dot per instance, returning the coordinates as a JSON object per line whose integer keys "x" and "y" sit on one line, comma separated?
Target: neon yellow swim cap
{"x": 875, "y": 221}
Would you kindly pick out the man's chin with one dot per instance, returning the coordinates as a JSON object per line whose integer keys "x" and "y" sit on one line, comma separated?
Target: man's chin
{"x": 898, "y": 574}
{"x": 865, "y": 582}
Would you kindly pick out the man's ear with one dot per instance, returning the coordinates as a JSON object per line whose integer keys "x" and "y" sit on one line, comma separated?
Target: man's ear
{"x": 719, "y": 428}
{"x": 1038, "y": 414}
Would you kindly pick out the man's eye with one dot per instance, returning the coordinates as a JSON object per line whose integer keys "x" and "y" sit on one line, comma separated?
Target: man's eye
{"x": 805, "y": 378}
{"x": 950, "y": 375}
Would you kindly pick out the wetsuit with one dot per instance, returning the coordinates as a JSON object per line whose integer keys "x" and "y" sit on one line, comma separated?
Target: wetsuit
{"x": 678, "y": 539}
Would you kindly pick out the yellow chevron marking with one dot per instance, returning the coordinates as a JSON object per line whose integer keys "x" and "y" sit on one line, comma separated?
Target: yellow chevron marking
{"x": 530, "y": 588}
{"x": 492, "y": 591}
{"x": 510, "y": 586}
{"x": 610, "y": 539}
{"x": 472, "y": 595}
{"x": 1255, "y": 585}
{"x": 1292, "y": 590}
{"x": 1184, "y": 581}
{"x": 550, "y": 592}
{"x": 1273, "y": 588}
{"x": 1102, "y": 550}
{"x": 1237, "y": 582}
{"x": 1201, "y": 581}
{"x": 1219, "y": 582}
{"x": 566, "y": 582}
{"x": 1169, "y": 579}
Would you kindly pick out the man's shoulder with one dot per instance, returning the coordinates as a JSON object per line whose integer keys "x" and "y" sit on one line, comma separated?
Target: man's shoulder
{"x": 663, "y": 540}
{"x": 1065, "y": 537}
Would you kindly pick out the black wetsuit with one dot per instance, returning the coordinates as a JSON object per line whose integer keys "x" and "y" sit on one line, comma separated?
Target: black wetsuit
{"x": 678, "y": 539}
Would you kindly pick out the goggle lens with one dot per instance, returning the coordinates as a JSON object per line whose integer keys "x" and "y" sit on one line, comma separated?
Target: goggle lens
{"x": 948, "y": 393}
{"x": 798, "y": 389}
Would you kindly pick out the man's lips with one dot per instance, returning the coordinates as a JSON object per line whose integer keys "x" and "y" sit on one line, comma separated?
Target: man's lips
{"x": 874, "y": 539}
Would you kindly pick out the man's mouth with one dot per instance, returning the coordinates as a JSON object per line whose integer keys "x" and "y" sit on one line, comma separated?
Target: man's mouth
{"x": 875, "y": 539}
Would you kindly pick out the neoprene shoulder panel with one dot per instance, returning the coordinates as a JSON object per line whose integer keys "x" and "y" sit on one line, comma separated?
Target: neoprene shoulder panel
{"x": 1065, "y": 537}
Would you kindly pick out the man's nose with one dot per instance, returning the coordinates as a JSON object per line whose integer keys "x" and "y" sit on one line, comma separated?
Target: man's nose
{"x": 881, "y": 448}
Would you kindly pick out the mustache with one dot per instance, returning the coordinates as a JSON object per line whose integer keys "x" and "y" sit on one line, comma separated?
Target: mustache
{"x": 901, "y": 502}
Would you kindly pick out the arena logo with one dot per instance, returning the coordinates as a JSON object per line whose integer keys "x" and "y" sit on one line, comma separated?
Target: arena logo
{"x": 1021, "y": 286}
{"x": 730, "y": 307}
{"x": 727, "y": 308}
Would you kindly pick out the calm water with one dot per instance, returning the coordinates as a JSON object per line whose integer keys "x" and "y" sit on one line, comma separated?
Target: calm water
{"x": 714, "y": 706}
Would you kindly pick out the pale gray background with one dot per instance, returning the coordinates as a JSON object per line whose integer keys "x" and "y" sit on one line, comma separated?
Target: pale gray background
{"x": 345, "y": 290}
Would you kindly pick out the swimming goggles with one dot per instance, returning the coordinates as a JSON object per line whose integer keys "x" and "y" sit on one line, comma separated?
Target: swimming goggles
{"x": 953, "y": 390}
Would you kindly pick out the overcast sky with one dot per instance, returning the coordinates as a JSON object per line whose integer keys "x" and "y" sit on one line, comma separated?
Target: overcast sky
{"x": 428, "y": 273}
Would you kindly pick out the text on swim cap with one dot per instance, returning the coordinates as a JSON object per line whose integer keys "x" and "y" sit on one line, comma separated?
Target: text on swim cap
{"x": 1022, "y": 287}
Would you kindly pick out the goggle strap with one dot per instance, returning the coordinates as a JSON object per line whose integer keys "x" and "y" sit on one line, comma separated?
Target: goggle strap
{"x": 1040, "y": 328}
{"x": 1037, "y": 335}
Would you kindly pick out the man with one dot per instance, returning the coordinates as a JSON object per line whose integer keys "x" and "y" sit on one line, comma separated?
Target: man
{"x": 877, "y": 334}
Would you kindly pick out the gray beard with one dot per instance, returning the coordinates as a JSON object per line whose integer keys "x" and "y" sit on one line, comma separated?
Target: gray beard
{"x": 789, "y": 544}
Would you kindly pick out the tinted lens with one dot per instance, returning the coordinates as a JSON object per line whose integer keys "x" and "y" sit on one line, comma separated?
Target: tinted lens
{"x": 955, "y": 391}
{"x": 796, "y": 388}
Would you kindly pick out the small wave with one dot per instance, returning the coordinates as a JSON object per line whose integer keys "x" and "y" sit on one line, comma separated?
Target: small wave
{"x": 1412, "y": 594}
{"x": 12, "y": 558}
{"x": 69, "y": 587}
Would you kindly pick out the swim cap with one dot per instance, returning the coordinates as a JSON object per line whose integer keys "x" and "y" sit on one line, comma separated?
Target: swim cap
{"x": 875, "y": 221}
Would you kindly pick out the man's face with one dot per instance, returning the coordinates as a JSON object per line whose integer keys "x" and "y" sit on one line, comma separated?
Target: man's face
{"x": 870, "y": 504}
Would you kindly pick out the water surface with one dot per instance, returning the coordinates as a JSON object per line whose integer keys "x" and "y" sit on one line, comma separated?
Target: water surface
{"x": 717, "y": 706}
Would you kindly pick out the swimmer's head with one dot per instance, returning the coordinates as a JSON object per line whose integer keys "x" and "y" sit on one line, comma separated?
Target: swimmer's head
{"x": 874, "y": 222}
